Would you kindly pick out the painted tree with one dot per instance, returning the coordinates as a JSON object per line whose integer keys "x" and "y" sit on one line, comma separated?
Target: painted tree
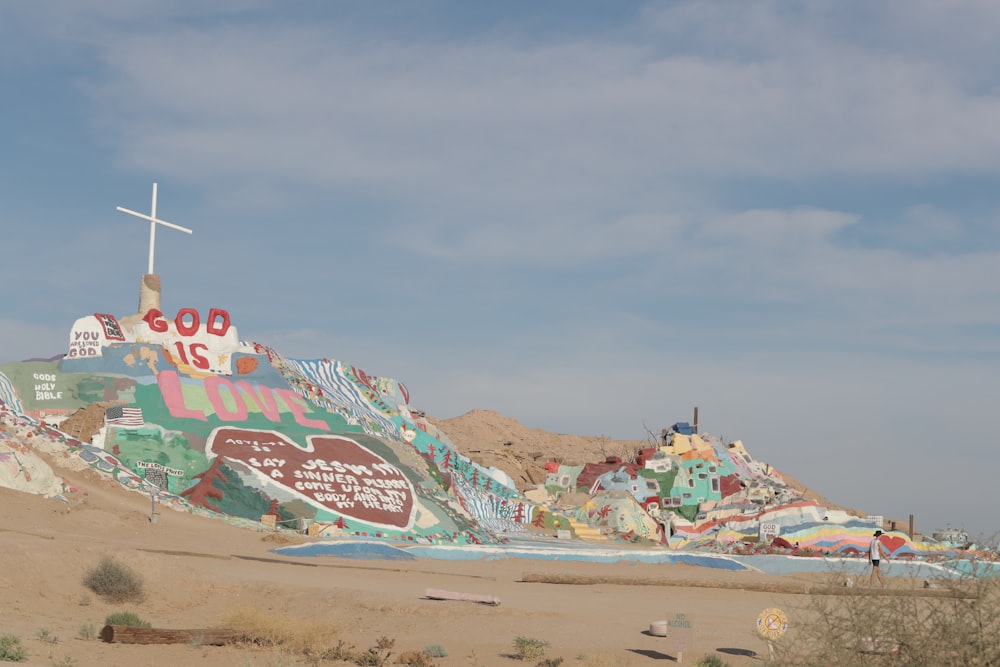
{"x": 519, "y": 513}
{"x": 205, "y": 489}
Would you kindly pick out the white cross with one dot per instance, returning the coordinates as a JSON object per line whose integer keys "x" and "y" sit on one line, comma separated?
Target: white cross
{"x": 153, "y": 222}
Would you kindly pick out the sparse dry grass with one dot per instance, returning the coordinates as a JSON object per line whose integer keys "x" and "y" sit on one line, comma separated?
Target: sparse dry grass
{"x": 415, "y": 659}
{"x": 604, "y": 660}
{"x": 866, "y": 627}
{"x": 315, "y": 640}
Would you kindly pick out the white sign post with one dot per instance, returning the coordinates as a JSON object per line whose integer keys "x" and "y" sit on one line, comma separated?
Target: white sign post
{"x": 153, "y": 222}
{"x": 771, "y": 625}
{"x": 680, "y": 628}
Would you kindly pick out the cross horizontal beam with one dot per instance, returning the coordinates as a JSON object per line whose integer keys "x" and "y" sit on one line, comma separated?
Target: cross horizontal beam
{"x": 155, "y": 220}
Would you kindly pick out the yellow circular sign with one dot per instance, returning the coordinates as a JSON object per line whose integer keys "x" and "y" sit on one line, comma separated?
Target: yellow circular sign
{"x": 772, "y": 623}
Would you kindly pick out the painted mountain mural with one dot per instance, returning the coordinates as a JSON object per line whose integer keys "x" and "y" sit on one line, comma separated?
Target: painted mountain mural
{"x": 181, "y": 408}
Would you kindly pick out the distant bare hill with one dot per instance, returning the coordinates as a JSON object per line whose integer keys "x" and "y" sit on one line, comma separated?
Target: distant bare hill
{"x": 491, "y": 439}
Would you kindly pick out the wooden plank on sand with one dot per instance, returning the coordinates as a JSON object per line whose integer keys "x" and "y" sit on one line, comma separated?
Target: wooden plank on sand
{"x": 438, "y": 594}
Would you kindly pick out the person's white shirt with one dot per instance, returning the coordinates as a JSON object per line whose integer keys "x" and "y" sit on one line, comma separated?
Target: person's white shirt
{"x": 875, "y": 549}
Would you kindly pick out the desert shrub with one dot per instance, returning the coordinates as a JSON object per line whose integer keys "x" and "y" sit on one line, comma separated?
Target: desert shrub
{"x": 127, "y": 618}
{"x": 436, "y": 651}
{"x": 114, "y": 581}
{"x": 377, "y": 655}
{"x": 87, "y": 631}
{"x": 11, "y": 649}
{"x": 956, "y": 623}
{"x": 528, "y": 648}
{"x": 711, "y": 660}
{"x": 415, "y": 659}
{"x": 45, "y": 635}
{"x": 342, "y": 651}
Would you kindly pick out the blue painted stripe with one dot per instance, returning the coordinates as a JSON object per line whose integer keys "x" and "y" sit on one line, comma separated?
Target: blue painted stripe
{"x": 9, "y": 396}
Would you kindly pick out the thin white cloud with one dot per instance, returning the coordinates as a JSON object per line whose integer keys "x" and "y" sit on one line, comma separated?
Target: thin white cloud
{"x": 925, "y": 224}
{"x": 554, "y": 120}
{"x": 773, "y": 228}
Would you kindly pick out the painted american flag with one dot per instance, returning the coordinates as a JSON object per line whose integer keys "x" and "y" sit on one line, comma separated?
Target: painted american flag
{"x": 123, "y": 416}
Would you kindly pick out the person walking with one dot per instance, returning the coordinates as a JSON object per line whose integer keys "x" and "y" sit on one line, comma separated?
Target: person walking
{"x": 875, "y": 552}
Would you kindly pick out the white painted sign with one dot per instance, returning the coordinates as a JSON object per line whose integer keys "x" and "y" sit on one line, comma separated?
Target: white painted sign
{"x": 769, "y": 531}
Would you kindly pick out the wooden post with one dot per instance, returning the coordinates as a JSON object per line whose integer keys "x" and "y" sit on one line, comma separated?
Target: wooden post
{"x": 125, "y": 634}
{"x": 911, "y": 527}
{"x": 696, "y": 419}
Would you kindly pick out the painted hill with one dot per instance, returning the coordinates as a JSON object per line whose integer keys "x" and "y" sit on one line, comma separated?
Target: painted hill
{"x": 183, "y": 410}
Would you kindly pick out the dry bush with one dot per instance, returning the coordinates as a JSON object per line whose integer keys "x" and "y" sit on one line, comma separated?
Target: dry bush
{"x": 956, "y": 624}
{"x": 415, "y": 659}
{"x": 625, "y": 451}
{"x": 377, "y": 655}
{"x": 11, "y": 649}
{"x": 601, "y": 660}
{"x": 114, "y": 581}
{"x": 529, "y": 648}
{"x": 314, "y": 640}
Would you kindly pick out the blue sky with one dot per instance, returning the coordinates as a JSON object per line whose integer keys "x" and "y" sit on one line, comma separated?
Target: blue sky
{"x": 588, "y": 216}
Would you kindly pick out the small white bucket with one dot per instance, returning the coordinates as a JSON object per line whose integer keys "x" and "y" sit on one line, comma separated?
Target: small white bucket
{"x": 658, "y": 628}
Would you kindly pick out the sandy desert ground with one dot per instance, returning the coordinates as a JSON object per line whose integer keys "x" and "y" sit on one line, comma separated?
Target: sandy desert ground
{"x": 199, "y": 571}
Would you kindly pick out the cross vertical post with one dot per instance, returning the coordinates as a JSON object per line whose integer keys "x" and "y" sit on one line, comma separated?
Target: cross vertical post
{"x": 152, "y": 233}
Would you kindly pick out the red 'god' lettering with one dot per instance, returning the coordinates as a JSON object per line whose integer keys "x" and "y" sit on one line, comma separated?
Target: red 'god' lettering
{"x": 187, "y": 322}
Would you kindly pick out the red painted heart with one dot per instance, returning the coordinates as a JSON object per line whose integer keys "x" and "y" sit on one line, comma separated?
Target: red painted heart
{"x": 892, "y": 543}
{"x": 332, "y": 472}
